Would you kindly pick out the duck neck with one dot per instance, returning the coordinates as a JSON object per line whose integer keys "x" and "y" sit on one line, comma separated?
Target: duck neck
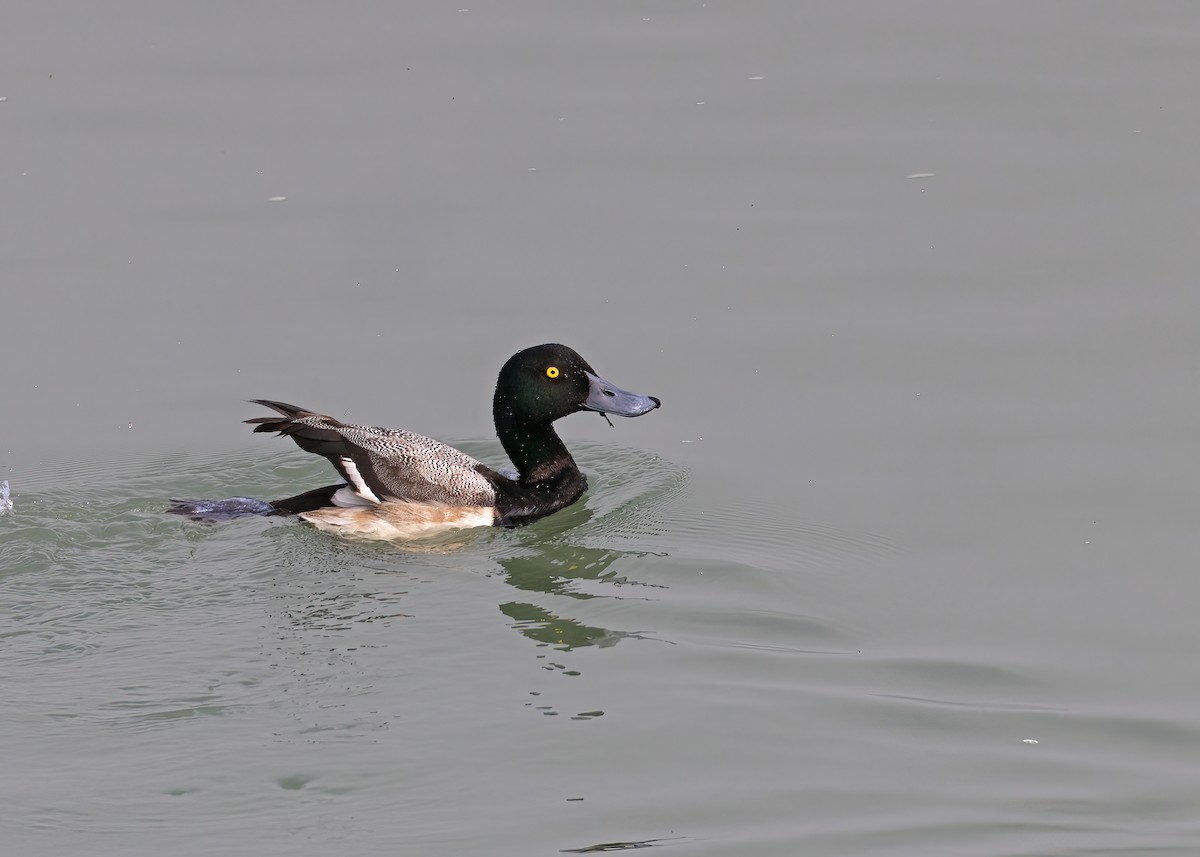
{"x": 540, "y": 456}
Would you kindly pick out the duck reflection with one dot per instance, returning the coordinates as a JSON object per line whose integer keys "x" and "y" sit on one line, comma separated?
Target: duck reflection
{"x": 565, "y": 570}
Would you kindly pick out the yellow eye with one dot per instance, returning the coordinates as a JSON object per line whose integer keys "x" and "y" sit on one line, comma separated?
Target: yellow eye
{"x": 552, "y": 372}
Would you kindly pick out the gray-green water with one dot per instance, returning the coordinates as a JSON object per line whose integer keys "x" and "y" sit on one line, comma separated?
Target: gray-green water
{"x": 904, "y": 565}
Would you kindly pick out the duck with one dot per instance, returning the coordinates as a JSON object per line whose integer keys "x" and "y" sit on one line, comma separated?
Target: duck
{"x": 400, "y": 485}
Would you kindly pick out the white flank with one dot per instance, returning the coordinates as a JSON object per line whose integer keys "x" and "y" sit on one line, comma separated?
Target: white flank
{"x": 347, "y": 498}
{"x": 356, "y": 482}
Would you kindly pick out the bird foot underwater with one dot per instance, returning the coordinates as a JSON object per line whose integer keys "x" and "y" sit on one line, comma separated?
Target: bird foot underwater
{"x": 211, "y": 511}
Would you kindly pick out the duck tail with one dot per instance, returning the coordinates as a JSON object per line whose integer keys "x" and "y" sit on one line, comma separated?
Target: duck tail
{"x": 289, "y": 412}
{"x": 312, "y": 432}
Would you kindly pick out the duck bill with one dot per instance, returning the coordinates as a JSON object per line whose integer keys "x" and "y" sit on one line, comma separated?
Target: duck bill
{"x": 610, "y": 399}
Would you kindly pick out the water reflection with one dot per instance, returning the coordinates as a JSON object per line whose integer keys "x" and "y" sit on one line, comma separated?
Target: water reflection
{"x": 560, "y": 570}
{"x": 552, "y": 560}
{"x": 542, "y": 626}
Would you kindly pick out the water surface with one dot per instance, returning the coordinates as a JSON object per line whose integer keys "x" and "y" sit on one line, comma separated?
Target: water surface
{"x": 902, "y": 566}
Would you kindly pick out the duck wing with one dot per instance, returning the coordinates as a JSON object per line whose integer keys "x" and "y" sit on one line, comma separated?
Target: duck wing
{"x": 382, "y": 464}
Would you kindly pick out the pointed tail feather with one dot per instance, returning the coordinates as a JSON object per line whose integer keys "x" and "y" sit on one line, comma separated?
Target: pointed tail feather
{"x": 312, "y": 432}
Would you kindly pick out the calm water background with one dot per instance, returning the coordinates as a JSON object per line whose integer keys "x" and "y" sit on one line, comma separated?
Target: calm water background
{"x": 915, "y": 282}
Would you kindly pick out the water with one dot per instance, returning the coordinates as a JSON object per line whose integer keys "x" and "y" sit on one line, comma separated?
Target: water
{"x": 902, "y": 566}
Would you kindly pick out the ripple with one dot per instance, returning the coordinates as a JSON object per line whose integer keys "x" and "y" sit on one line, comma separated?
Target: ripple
{"x": 757, "y": 534}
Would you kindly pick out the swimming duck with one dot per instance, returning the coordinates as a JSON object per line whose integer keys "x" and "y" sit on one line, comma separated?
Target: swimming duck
{"x": 400, "y": 485}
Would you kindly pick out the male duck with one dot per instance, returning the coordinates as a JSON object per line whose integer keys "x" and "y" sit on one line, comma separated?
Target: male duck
{"x": 401, "y": 485}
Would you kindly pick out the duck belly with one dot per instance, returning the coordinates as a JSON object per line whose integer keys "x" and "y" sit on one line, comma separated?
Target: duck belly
{"x": 394, "y": 520}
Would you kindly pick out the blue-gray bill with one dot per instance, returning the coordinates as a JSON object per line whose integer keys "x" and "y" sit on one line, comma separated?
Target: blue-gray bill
{"x": 608, "y": 398}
